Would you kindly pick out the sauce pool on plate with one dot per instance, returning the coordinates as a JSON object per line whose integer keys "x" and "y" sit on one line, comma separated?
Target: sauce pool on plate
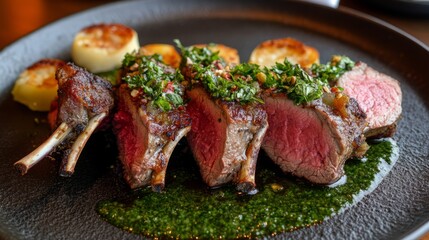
{"x": 187, "y": 209}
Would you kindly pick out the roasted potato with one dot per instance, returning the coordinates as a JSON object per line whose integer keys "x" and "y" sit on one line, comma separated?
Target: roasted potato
{"x": 101, "y": 47}
{"x": 36, "y": 87}
{"x": 230, "y": 55}
{"x": 271, "y": 51}
{"x": 169, "y": 54}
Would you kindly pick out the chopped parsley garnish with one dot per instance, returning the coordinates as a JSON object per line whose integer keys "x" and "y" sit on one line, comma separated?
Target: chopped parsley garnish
{"x": 333, "y": 69}
{"x": 226, "y": 86}
{"x": 241, "y": 83}
{"x": 159, "y": 83}
{"x": 294, "y": 81}
{"x": 196, "y": 55}
{"x": 209, "y": 70}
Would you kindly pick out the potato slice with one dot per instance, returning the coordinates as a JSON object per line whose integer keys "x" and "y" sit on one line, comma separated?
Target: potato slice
{"x": 272, "y": 51}
{"x": 101, "y": 47}
{"x": 230, "y": 55}
{"x": 169, "y": 54}
{"x": 36, "y": 87}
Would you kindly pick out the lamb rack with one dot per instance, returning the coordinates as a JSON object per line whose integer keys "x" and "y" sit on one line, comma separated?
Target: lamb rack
{"x": 150, "y": 120}
{"x": 313, "y": 129}
{"x": 228, "y": 121}
{"x": 378, "y": 95}
{"x": 84, "y": 102}
{"x": 311, "y": 140}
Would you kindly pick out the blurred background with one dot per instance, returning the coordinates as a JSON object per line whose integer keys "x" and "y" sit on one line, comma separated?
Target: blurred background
{"x": 19, "y": 18}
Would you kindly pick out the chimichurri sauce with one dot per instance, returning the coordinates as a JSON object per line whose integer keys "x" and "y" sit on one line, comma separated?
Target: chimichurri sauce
{"x": 187, "y": 209}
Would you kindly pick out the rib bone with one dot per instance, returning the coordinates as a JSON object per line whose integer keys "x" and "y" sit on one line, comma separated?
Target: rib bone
{"x": 44, "y": 149}
{"x": 79, "y": 144}
{"x": 158, "y": 175}
{"x": 246, "y": 180}
{"x": 81, "y": 96}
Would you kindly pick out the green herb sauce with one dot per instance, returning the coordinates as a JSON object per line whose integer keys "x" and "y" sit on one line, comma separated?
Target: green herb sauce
{"x": 187, "y": 209}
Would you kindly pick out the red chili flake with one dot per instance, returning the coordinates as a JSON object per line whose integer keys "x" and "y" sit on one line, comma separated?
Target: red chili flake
{"x": 335, "y": 90}
{"x": 227, "y": 75}
{"x": 218, "y": 65}
{"x": 169, "y": 87}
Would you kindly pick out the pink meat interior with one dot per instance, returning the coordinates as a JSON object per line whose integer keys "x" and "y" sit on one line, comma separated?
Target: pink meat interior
{"x": 208, "y": 131}
{"x": 296, "y": 137}
{"x": 378, "y": 95}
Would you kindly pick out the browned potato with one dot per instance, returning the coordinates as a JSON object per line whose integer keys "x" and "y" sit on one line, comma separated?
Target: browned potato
{"x": 101, "y": 47}
{"x": 230, "y": 55}
{"x": 169, "y": 54}
{"x": 272, "y": 51}
{"x": 36, "y": 87}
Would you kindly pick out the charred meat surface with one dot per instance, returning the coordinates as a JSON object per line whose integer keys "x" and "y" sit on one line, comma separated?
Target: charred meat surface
{"x": 313, "y": 129}
{"x": 81, "y": 96}
{"x": 150, "y": 121}
{"x": 225, "y": 139}
{"x": 84, "y": 101}
{"x": 228, "y": 122}
{"x": 378, "y": 95}
{"x": 146, "y": 139}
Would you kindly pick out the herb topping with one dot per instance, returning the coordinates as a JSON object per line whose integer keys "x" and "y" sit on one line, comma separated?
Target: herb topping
{"x": 294, "y": 81}
{"x": 219, "y": 79}
{"x": 334, "y": 69}
{"x": 159, "y": 83}
{"x": 242, "y": 82}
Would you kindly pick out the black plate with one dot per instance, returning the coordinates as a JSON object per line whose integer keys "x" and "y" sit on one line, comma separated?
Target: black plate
{"x": 410, "y": 8}
{"x": 41, "y": 205}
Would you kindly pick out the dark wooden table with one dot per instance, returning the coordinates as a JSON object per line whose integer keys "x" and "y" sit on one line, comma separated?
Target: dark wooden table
{"x": 18, "y": 18}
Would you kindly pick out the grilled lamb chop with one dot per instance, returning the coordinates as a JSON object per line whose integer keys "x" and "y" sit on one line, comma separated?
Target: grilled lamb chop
{"x": 227, "y": 129}
{"x": 84, "y": 101}
{"x": 313, "y": 129}
{"x": 378, "y": 95}
{"x": 312, "y": 140}
{"x": 225, "y": 138}
{"x": 148, "y": 124}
